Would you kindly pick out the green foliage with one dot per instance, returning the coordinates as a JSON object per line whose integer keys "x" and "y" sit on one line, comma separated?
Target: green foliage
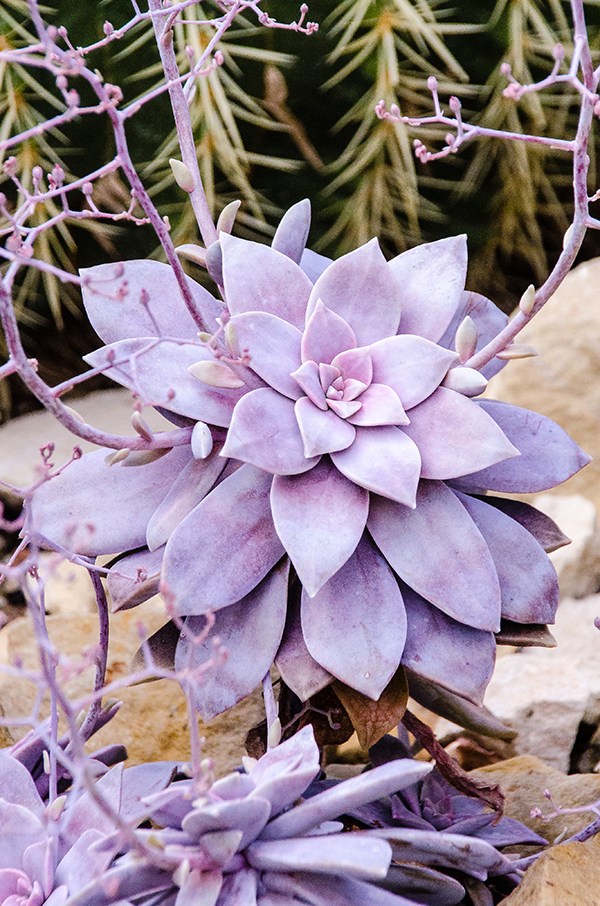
{"x": 220, "y": 109}
{"x": 289, "y": 116}
{"x": 27, "y": 100}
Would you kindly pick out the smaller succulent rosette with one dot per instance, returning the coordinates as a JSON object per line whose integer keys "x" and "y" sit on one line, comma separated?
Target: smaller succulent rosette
{"x": 51, "y": 853}
{"x": 331, "y": 507}
{"x": 248, "y": 839}
{"x": 433, "y": 804}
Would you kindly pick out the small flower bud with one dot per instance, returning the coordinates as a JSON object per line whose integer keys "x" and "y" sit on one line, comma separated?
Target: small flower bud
{"x": 117, "y": 456}
{"x": 207, "y": 767}
{"x": 214, "y": 262}
{"x": 181, "y": 873}
{"x": 274, "y": 734}
{"x": 527, "y": 300}
{"x": 114, "y": 93}
{"x": 513, "y": 92}
{"x": 10, "y": 166}
{"x": 13, "y": 243}
{"x": 454, "y": 104}
{"x": 559, "y": 52}
{"x": 505, "y": 69}
{"x": 517, "y": 351}
{"x": 75, "y": 414}
{"x": 231, "y": 340}
{"x": 191, "y": 252}
{"x": 46, "y": 761}
{"x": 183, "y": 175}
{"x": 463, "y": 380}
{"x": 465, "y": 342}
{"x": 55, "y": 809}
{"x": 61, "y": 82}
{"x": 205, "y": 337}
{"x": 141, "y": 426}
{"x": 216, "y": 374}
{"x": 144, "y": 457}
{"x": 108, "y": 28}
{"x": 567, "y": 236}
{"x": 154, "y": 840}
{"x": 87, "y": 188}
{"x": 432, "y": 83}
{"x": 202, "y": 441}
{"x": 227, "y": 217}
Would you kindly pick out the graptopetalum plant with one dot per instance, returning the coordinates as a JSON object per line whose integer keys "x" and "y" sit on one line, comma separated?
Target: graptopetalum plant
{"x": 321, "y": 503}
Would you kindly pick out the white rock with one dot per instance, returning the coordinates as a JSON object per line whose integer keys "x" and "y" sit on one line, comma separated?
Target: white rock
{"x": 563, "y": 382}
{"x": 578, "y": 563}
{"x": 543, "y": 692}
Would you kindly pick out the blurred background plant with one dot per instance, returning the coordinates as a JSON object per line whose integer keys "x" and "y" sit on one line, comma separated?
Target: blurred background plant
{"x": 288, "y": 116}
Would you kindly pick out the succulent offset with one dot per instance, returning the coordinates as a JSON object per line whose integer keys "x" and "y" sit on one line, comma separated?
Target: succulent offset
{"x": 241, "y": 839}
{"x": 51, "y": 852}
{"x": 433, "y": 804}
{"x": 329, "y": 507}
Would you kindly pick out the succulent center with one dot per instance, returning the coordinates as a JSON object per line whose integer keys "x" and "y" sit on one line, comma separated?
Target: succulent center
{"x": 340, "y": 393}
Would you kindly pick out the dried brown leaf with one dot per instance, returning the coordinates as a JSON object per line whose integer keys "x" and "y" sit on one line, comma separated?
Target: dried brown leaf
{"x": 372, "y": 720}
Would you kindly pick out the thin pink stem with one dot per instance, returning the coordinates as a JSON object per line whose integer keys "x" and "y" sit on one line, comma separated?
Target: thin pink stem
{"x": 45, "y": 395}
{"x": 164, "y": 39}
{"x": 580, "y": 189}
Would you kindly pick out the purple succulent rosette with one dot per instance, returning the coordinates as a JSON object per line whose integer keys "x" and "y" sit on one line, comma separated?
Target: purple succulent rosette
{"x": 246, "y": 840}
{"x": 51, "y": 853}
{"x": 433, "y": 804}
{"x": 344, "y": 446}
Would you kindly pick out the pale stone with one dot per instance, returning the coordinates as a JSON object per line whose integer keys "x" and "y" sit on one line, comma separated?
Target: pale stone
{"x": 524, "y": 780}
{"x": 153, "y": 720}
{"x": 563, "y": 382}
{"x": 567, "y": 875}
{"x": 578, "y": 563}
{"x": 543, "y": 692}
{"x": 21, "y": 438}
